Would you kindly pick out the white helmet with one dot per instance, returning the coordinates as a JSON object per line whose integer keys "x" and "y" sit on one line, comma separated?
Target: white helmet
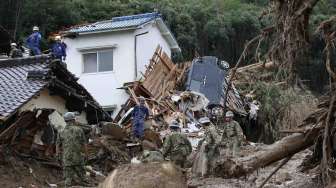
{"x": 204, "y": 120}
{"x": 229, "y": 114}
{"x": 58, "y": 37}
{"x": 69, "y": 116}
{"x": 35, "y": 28}
{"x": 13, "y": 44}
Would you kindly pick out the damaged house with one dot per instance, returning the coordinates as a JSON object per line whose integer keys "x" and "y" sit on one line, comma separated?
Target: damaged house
{"x": 107, "y": 54}
{"x": 34, "y": 93}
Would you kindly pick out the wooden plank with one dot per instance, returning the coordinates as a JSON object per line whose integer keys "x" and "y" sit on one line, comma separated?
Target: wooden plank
{"x": 133, "y": 95}
{"x": 26, "y": 117}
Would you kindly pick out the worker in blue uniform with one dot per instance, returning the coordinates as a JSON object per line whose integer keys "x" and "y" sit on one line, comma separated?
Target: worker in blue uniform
{"x": 140, "y": 114}
{"x": 33, "y": 41}
{"x": 58, "y": 49}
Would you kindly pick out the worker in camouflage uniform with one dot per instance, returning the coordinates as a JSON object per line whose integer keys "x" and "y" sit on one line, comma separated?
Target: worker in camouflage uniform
{"x": 217, "y": 117}
{"x": 72, "y": 141}
{"x": 212, "y": 140}
{"x": 176, "y": 146}
{"x": 233, "y": 135}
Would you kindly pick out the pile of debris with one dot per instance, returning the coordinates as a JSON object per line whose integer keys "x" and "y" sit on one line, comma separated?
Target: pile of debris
{"x": 183, "y": 92}
{"x": 37, "y": 90}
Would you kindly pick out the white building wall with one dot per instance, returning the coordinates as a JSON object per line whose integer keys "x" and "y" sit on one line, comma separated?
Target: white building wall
{"x": 147, "y": 44}
{"x": 103, "y": 85}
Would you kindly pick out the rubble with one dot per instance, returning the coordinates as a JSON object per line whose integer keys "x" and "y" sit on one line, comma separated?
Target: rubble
{"x": 169, "y": 95}
{"x": 29, "y": 129}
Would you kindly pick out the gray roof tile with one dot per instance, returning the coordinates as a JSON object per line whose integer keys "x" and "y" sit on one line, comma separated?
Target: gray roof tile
{"x": 123, "y": 22}
{"x": 15, "y": 88}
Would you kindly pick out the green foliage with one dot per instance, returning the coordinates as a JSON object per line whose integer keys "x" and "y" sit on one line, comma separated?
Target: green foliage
{"x": 275, "y": 104}
{"x": 208, "y": 27}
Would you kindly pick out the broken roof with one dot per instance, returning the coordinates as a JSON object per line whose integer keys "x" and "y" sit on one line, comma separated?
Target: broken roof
{"x": 23, "y": 78}
{"x": 128, "y": 23}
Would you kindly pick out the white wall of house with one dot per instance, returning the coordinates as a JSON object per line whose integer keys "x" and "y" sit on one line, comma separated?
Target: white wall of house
{"x": 147, "y": 44}
{"x": 103, "y": 85}
{"x": 44, "y": 100}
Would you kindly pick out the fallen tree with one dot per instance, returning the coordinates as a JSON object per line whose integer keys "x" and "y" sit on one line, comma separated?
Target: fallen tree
{"x": 288, "y": 52}
{"x": 320, "y": 123}
{"x": 284, "y": 148}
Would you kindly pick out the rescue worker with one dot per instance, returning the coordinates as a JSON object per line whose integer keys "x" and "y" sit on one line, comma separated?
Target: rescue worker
{"x": 140, "y": 114}
{"x": 58, "y": 49}
{"x": 217, "y": 115}
{"x": 33, "y": 41}
{"x": 72, "y": 141}
{"x": 233, "y": 135}
{"x": 176, "y": 146}
{"x": 15, "y": 52}
{"x": 211, "y": 140}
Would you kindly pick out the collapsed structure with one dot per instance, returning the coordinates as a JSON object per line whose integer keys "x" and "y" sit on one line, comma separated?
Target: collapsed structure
{"x": 35, "y": 92}
{"x": 171, "y": 94}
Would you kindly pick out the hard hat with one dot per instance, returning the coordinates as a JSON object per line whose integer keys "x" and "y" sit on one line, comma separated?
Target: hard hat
{"x": 68, "y": 116}
{"x": 229, "y": 114}
{"x": 141, "y": 98}
{"x": 204, "y": 120}
{"x": 217, "y": 111}
{"x": 35, "y": 28}
{"x": 174, "y": 124}
{"x": 58, "y": 37}
{"x": 13, "y": 44}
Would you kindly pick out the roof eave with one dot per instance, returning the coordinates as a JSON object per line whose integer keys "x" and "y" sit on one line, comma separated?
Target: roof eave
{"x": 168, "y": 35}
{"x": 105, "y": 31}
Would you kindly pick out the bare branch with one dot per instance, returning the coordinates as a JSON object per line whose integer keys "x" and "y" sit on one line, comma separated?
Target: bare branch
{"x": 308, "y": 7}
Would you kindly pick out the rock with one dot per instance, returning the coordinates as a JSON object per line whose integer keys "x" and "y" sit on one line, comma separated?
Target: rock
{"x": 146, "y": 175}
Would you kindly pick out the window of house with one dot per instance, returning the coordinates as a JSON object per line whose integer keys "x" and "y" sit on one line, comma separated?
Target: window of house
{"x": 100, "y": 61}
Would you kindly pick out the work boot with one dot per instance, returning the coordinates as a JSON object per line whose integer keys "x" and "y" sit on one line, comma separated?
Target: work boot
{"x": 68, "y": 183}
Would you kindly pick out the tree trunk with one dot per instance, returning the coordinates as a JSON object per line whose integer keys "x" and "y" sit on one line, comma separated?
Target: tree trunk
{"x": 291, "y": 37}
{"x": 284, "y": 148}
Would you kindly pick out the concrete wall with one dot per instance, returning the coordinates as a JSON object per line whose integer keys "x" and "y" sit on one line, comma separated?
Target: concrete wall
{"x": 44, "y": 100}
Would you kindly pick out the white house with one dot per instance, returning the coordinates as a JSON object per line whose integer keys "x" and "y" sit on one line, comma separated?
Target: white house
{"x": 106, "y": 54}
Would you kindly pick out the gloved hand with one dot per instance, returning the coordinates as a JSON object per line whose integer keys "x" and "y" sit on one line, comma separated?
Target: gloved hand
{"x": 59, "y": 158}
